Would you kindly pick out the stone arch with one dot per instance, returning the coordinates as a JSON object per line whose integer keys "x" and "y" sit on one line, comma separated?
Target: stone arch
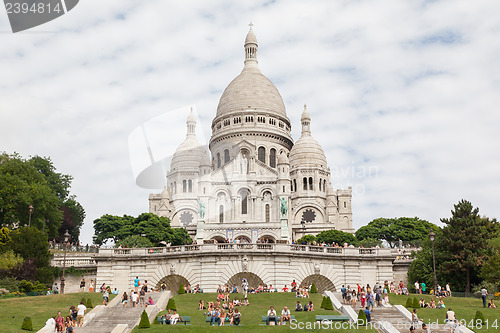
{"x": 269, "y": 238}
{"x": 322, "y": 282}
{"x": 172, "y": 282}
{"x": 218, "y": 238}
{"x": 253, "y": 279}
{"x": 243, "y": 238}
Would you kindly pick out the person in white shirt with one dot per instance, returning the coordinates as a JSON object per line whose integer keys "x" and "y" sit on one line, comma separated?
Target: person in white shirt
{"x": 81, "y": 308}
{"x": 450, "y": 315}
{"x": 271, "y": 315}
{"x": 417, "y": 288}
{"x": 285, "y": 315}
{"x": 135, "y": 298}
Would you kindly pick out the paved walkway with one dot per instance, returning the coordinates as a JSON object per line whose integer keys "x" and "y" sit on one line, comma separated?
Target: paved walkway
{"x": 107, "y": 319}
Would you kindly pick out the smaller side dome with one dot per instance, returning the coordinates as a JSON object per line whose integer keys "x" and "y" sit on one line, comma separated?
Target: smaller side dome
{"x": 283, "y": 159}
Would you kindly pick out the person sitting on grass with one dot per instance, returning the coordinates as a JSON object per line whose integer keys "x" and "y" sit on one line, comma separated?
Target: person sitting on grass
{"x": 222, "y": 317}
{"x": 201, "y": 305}
{"x": 236, "y": 302}
{"x": 298, "y": 307}
{"x": 441, "y": 304}
{"x": 235, "y": 320}
{"x": 224, "y": 305}
{"x": 491, "y": 304}
{"x": 310, "y": 306}
{"x": 285, "y": 289}
{"x": 432, "y": 304}
{"x": 285, "y": 315}
{"x": 421, "y": 303}
{"x": 305, "y": 293}
{"x": 245, "y": 302}
{"x": 271, "y": 316}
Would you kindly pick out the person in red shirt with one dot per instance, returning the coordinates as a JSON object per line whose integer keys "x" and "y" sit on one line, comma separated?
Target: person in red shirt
{"x": 59, "y": 322}
{"x": 285, "y": 289}
{"x": 294, "y": 285}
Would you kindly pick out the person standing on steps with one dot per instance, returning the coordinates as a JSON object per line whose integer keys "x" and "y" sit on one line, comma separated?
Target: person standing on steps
{"x": 137, "y": 283}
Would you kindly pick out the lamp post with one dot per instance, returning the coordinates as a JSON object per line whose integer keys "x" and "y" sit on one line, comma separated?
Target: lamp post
{"x": 66, "y": 238}
{"x": 432, "y": 237}
{"x": 30, "y": 211}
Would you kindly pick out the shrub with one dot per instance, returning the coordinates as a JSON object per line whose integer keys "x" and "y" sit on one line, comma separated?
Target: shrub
{"x": 89, "y": 304}
{"x": 323, "y": 302}
{"x": 27, "y": 324}
{"x": 9, "y": 283}
{"x": 415, "y": 303}
{"x": 144, "y": 323}
{"x": 314, "y": 290}
{"x": 171, "y": 304}
{"x": 26, "y": 286}
{"x": 181, "y": 289}
{"x": 361, "y": 317}
{"x": 478, "y": 319}
{"x": 328, "y": 304}
{"x": 409, "y": 303}
{"x": 83, "y": 300}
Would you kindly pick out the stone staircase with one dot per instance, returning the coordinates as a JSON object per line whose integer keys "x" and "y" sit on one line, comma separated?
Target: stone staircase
{"x": 110, "y": 316}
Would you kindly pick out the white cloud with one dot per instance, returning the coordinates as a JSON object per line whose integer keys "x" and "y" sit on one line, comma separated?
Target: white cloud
{"x": 408, "y": 88}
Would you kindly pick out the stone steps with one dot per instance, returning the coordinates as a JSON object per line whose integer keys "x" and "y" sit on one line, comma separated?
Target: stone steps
{"x": 106, "y": 321}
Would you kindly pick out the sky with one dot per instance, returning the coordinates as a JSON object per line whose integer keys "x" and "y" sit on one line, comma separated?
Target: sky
{"x": 403, "y": 95}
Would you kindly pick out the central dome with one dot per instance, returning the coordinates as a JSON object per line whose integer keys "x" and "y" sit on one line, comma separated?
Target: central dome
{"x": 251, "y": 89}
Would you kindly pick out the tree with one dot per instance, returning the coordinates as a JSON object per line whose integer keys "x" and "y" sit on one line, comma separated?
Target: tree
{"x": 153, "y": 227}
{"x": 144, "y": 323}
{"x": 390, "y": 230}
{"x": 490, "y": 269}
{"x": 306, "y": 239}
{"x": 34, "y": 182}
{"x": 135, "y": 241}
{"x": 171, "y": 305}
{"x": 27, "y": 324}
{"x": 31, "y": 243}
{"x": 361, "y": 317}
{"x": 328, "y": 304}
{"x": 314, "y": 290}
{"x": 464, "y": 242}
{"x": 181, "y": 289}
{"x": 336, "y": 236}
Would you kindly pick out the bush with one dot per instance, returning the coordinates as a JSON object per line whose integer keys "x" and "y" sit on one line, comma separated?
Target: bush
{"x": 361, "y": 317}
{"x": 415, "y": 303}
{"x": 323, "y": 302}
{"x": 479, "y": 319}
{"x": 181, "y": 289}
{"x": 27, "y": 324}
{"x": 83, "y": 300}
{"x": 409, "y": 303}
{"x": 26, "y": 286}
{"x": 144, "y": 323}
{"x": 89, "y": 304}
{"x": 328, "y": 304}
{"x": 314, "y": 290}
{"x": 9, "y": 283}
{"x": 171, "y": 304}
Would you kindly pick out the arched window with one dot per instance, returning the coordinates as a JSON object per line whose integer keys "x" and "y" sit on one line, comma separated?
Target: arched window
{"x": 310, "y": 183}
{"x": 295, "y": 185}
{"x": 221, "y": 214}
{"x": 291, "y": 186}
{"x": 244, "y": 201}
{"x": 218, "y": 160}
{"x": 268, "y": 217}
{"x": 184, "y": 186}
{"x": 262, "y": 154}
{"x": 190, "y": 185}
{"x": 272, "y": 158}
{"x": 226, "y": 156}
{"x": 324, "y": 185}
{"x": 320, "y": 181}
{"x": 175, "y": 187}
{"x": 305, "y": 183}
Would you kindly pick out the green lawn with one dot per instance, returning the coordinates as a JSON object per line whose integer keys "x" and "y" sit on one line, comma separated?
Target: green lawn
{"x": 187, "y": 305}
{"x": 464, "y": 307}
{"x": 39, "y": 308}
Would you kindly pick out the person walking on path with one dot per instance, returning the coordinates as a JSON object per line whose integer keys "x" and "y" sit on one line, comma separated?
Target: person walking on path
{"x": 484, "y": 295}
{"x": 80, "y": 314}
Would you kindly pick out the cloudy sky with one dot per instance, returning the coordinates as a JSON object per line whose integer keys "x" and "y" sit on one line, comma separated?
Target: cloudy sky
{"x": 403, "y": 95}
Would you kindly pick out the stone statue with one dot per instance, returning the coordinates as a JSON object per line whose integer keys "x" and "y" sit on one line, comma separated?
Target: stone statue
{"x": 201, "y": 209}
{"x": 284, "y": 208}
{"x": 244, "y": 165}
{"x": 172, "y": 268}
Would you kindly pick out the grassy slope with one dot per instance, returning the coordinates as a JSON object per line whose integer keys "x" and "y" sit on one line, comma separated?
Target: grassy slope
{"x": 39, "y": 308}
{"x": 187, "y": 305}
{"x": 464, "y": 307}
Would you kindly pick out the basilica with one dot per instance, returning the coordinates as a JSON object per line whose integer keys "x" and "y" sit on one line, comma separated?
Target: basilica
{"x": 256, "y": 184}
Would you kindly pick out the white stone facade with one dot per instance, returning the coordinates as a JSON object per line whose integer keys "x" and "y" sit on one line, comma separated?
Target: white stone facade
{"x": 258, "y": 184}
